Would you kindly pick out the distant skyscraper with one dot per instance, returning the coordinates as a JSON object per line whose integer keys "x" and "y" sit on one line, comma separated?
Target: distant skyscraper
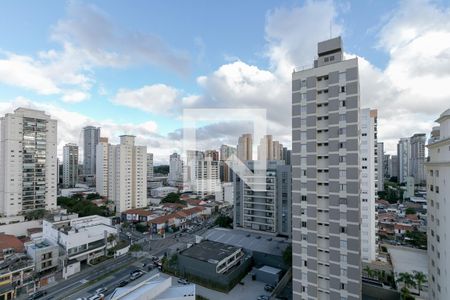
{"x": 286, "y": 155}
{"x": 326, "y": 217}
{"x": 91, "y": 139}
{"x": 265, "y": 148}
{"x": 387, "y": 166}
{"x": 418, "y": 158}
{"x": 206, "y": 181}
{"x": 404, "y": 158}
{"x": 226, "y": 151}
{"x": 380, "y": 167}
{"x": 127, "y": 174}
{"x": 70, "y": 165}
{"x": 368, "y": 157}
{"x": 267, "y": 210}
{"x": 394, "y": 166}
{"x": 28, "y": 162}
{"x": 438, "y": 209}
{"x": 175, "y": 170}
{"x": 213, "y": 154}
{"x": 245, "y": 147}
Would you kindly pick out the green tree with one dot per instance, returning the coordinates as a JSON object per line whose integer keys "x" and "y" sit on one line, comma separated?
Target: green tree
{"x": 135, "y": 248}
{"x": 93, "y": 196}
{"x": 407, "y": 279}
{"x": 35, "y": 214}
{"x": 370, "y": 272}
{"x": 410, "y": 211}
{"x": 141, "y": 227}
{"x": 171, "y": 198}
{"x": 224, "y": 221}
{"x": 405, "y": 294}
{"x": 163, "y": 169}
{"x": 420, "y": 279}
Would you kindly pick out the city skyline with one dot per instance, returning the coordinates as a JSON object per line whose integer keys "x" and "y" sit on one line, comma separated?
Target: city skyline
{"x": 214, "y": 70}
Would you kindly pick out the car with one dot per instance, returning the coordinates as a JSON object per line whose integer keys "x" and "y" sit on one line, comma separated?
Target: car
{"x": 37, "y": 295}
{"x": 268, "y": 287}
{"x": 263, "y": 297}
{"x": 101, "y": 290}
{"x": 97, "y": 297}
{"x": 123, "y": 283}
{"x": 183, "y": 281}
{"x": 136, "y": 274}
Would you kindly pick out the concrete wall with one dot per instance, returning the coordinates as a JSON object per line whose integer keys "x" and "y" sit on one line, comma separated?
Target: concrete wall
{"x": 20, "y": 229}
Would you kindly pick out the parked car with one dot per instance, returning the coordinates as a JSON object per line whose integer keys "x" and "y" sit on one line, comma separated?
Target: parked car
{"x": 182, "y": 281}
{"x": 37, "y": 295}
{"x": 263, "y": 297}
{"x": 123, "y": 283}
{"x": 136, "y": 274}
{"x": 268, "y": 287}
{"x": 101, "y": 290}
{"x": 97, "y": 297}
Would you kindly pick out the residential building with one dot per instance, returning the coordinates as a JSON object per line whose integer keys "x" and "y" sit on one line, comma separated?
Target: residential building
{"x": 70, "y": 165}
{"x": 368, "y": 163}
{"x": 387, "y": 166}
{"x": 127, "y": 174}
{"x": 189, "y": 169}
{"x": 175, "y": 170}
{"x": 149, "y": 167}
{"x": 213, "y": 154}
{"x": 438, "y": 209}
{"x": 226, "y": 151}
{"x": 157, "y": 287}
{"x": 417, "y": 169}
{"x": 102, "y": 164}
{"x": 44, "y": 253}
{"x": 28, "y": 162}
{"x": 326, "y": 243}
{"x": 394, "y": 166}
{"x": 404, "y": 158}
{"x": 266, "y": 209}
{"x": 245, "y": 147}
{"x": 9, "y": 245}
{"x": 163, "y": 191}
{"x": 79, "y": 239}
{"x": 380, "y": 167}
{"x": 207, "y": 179}
{"x": 286, "y": 156}
{"x": 268, "y": 149}
{"x": 91, "y": 137}
{"x": 16, "y": 273}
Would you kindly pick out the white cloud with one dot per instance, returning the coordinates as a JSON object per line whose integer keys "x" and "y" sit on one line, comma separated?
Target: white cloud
{"x": 158, "y": 98}
{"x": 74, "y": 96}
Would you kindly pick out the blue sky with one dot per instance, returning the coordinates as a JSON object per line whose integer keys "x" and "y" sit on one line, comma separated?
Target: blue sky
{"x": 88, "y": 52}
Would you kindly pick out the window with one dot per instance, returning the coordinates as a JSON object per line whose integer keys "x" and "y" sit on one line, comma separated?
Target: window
{"x": 431, "y": 172}
{"x": 343, "y": 258}
{"x": 343, "y": 244}
{"x": 437, "y": 190}
{"x": 343, "y": 229}
{"x": 341, "y": 131}
{"x": 342, "y": 89}
{"x": 342, "y": 159}
{"x": 303, "y": 224}
{"x": 343, "y": 173}
{"x": 342, "y": 117}
{"x": 303, "y": 198}
{"x": 331, "y": 58}
{"x": 341, "y": 145}
{"x": 342, "y": 286}
{"x": 343, "y": 103}
{"x": 326, "y": 59}
{"x": 342, "y": 76}
{"x": 342, "y": 187}
{"x": 437, "y": 173}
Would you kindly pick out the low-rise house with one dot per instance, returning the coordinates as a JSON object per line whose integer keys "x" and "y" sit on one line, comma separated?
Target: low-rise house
{"x": 138, "y": 215}
{"x": 161, "y": 192}
{"x": 16, "y": 276}
{"x": 9, "y": 245}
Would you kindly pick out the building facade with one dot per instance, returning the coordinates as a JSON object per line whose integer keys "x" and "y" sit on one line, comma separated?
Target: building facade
{"x": 438, "y": 209}
{"x": 102, "y": 162}
{"x": 394, "y": 166}
{"x": 28, "y": 163}
{"x": 326, "y": 243}
{"x": 380, "y": 167}
{"x": 368, "y": 156}
{"x": 245, "y": 147}
{"x": 70, "y": 165}
{"x": 91, "y": 137}
{"x": 175, "y": 170}
{"x": 268, "y": 209}
{"x": 417, "y": 171}
{"x": 404, "y": 159}
{"x": 127, "y": 174}
{"x": 207, "y": 179}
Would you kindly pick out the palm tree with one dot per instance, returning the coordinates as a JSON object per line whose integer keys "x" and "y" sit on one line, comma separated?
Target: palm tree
{"x": 369, "y": 271}
{"x": 420, "y": 279}
{"x": 407, "y": 279}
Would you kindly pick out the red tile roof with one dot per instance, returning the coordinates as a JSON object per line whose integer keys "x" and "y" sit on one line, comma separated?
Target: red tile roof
{"x": 139, "y": 212}
{"x": 10, "y": 241}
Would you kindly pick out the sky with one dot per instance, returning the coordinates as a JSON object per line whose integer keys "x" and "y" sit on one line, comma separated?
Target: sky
{"x": 133, "y": 67}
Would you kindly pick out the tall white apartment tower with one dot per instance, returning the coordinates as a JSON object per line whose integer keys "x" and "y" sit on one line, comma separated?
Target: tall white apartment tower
{"x": 417, "y": 169}
{"x": 245, "y": 147}
{"x": 404, "y": 158}
{"x": 207, "y": 179}
{"x": 70, "y": 165}
{"x": 381, "y": 164}
{"x": 175, "y": 169}
{"x": 326, "y": 218}
{"x": 102, "y": 162}
{"x": 91, "y": 137}
{"x": 368, "y": 148}
{"x": 127, "y": 174}
{"x": 28, "y": 162}
{"x": 438, "y": 209}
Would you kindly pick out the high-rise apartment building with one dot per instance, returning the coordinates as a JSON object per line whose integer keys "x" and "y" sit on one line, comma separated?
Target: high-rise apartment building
{"x": 438, "y": 209}
{"x": 417, "y": 169}
{"x": 175, "y": 170}
{"x": 213, "y": 154}
{"x": 28, "y": 162}
{"x": 380, "y": 167}
{"x": 245, "y": 147}
{"x": 394, "y": 166}
{"x": 387, "y": 166}
{"x": 404, "y": 159}
{"x": 91, "y": 137}
{"x": 269, "y": 209}
{"x": 102, "y": 164}
{"x": 150, "y": 167}
{"x": 127, "y": 174}
{"x": 368, "y": 162}
{"x": 268, "y": 149}
{"x": 226, "y": 151}
{"x": 326, "y": 243}
{"x": 70, "y": 165}
{"x": 206, "y": 180}
{"x": 286, "y": 155}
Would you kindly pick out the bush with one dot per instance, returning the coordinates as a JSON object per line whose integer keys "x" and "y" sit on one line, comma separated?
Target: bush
{"x": 135, "y": 248}
{"x": 224, "y": 221}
